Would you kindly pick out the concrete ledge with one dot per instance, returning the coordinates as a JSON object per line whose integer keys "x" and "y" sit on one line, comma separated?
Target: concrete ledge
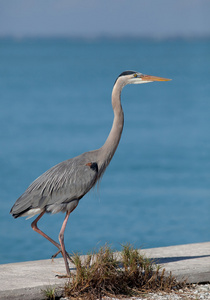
{"x": 28, "y": 280}
{"x": 190, "y": 262}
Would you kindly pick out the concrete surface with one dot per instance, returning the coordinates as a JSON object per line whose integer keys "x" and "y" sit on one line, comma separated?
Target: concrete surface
{"x": 191, "y": 262}
{"x": 28, "y": 280}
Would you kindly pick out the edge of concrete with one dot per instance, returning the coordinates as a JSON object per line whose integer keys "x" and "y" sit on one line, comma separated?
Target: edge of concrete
{"x": 29, "y": 280}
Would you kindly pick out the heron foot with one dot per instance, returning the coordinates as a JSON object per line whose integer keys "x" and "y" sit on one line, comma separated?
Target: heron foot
{"x": 59, "y": 251}
{"x": 63, "y": 275}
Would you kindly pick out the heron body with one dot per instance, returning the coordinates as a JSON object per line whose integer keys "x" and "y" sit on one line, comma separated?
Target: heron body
{"x": 60, "y": 188}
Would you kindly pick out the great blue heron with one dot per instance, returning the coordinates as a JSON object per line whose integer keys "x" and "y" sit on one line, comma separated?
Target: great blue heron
{"x": 60, "y": 188}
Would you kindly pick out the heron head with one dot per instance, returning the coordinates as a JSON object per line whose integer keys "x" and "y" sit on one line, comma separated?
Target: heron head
{"x": 132, "y": 77}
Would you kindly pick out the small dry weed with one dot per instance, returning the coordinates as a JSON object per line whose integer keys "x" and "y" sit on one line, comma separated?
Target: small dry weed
{"x": 102, "y": 274}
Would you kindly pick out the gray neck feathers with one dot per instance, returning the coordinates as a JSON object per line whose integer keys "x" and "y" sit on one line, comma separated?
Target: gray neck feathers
{"x": 108, "y": 149}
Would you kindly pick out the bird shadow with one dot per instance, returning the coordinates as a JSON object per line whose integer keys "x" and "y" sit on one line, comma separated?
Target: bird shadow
{"x": 165, "y": 260}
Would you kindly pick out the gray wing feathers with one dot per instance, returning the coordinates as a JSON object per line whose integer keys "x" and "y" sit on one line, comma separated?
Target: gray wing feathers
{"x": 57, "y": 187}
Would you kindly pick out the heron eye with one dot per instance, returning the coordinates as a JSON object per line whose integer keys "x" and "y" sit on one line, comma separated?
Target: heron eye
{"x": 135, "y": 75}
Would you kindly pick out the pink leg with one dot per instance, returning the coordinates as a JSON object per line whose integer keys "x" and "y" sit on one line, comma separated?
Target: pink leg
{"x": 61, "y": 247}
{"x": 61, "y": 239}
{"x": 35, "y": 228}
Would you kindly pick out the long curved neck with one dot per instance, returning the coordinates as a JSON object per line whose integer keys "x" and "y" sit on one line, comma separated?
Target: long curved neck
{"x": 108, "y": 149}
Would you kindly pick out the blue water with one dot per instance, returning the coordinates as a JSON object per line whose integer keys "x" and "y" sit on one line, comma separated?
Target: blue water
{"x": 55, "y": 104}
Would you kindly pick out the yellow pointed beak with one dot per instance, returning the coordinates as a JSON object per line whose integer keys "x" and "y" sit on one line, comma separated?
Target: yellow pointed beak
{"x": 153, "y": 78}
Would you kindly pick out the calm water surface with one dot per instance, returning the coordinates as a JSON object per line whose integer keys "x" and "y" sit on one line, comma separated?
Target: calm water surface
{"x": 56, "y": 103}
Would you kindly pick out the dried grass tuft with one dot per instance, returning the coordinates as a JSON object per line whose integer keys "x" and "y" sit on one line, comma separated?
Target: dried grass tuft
{"x": 102, "y": 274}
